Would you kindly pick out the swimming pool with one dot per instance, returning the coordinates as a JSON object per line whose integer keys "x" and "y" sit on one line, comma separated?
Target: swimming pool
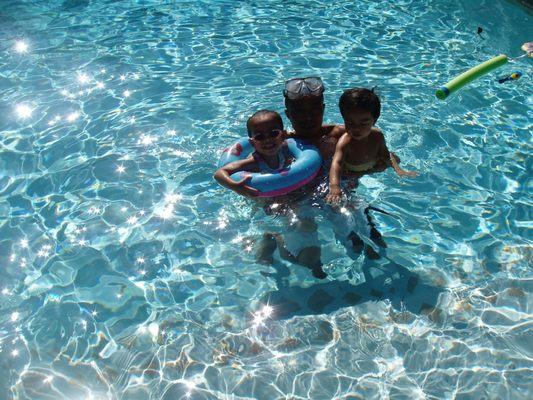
{"x": 126, "y": 271}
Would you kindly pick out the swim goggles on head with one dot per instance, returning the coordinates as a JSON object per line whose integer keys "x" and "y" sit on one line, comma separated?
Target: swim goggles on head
{"x": 301, "y": 87}
{"x": 274, "y": 133}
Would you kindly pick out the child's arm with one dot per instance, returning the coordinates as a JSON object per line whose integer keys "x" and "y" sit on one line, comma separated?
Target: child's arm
{"x": 390, "y": 159}
{"x": 222, "y": 176}
{"x": 334, "y": 195}
{"x": 397, "y": 169}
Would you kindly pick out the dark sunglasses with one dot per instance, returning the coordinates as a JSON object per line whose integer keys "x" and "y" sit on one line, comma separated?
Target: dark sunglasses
{"x": 299, "y": 87}
{"x": 274, "y": 133}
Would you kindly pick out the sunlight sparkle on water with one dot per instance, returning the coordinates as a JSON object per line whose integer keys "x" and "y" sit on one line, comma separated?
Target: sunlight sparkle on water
{"x": 262, "y": 315}
{"x": 73, "y": 116}
{"x": 147, "y": 140}
{"x": 21, "y": 46}
{"x": 23, "y": 111}
{"x": 83, "y": 78}
{"x": 153, "y": 328}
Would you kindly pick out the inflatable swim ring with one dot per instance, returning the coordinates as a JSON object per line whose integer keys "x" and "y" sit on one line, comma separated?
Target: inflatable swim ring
{"x": 302, "y": 170}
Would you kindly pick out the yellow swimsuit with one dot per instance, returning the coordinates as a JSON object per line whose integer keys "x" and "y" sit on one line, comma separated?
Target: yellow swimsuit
{"x": 347, "y": 167}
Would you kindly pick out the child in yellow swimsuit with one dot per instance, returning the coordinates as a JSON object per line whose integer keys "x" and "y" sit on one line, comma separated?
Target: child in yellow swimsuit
{"x": 362, "y": 149}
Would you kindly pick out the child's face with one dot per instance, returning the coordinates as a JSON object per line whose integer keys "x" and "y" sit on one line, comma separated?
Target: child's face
{"x": 359, "y": 124}
{"x": 267, "y": 135}
{"x": 306, "y": 115}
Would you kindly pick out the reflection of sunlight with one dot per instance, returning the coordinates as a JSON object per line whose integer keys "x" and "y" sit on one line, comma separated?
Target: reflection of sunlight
{"x": 166, "y": 209}
{"x": 21, "y": 46}
{"x": 121, "y": 169}
{"x": 153, "y": 329}
{"x": 15, "y": 316}
{"x": 73, "y": 116}
{"x": 237, "y": 239}
{"x": 83, "y": 78}
{"x": 127, "y": 93}
{"x": 23, "y": 110}
{"x": 147, "y": 140}
{"x": 262, "y": 315}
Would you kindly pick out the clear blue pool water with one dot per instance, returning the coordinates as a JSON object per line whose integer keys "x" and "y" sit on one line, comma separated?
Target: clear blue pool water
{"x": 126, "y": 271}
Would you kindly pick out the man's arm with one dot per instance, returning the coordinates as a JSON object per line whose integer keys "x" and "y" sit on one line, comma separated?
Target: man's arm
{"x": 328, "y": 142}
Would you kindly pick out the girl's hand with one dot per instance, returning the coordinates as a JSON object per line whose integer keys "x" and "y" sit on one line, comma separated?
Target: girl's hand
{"x": 241, "y": 188}
{"x": 401, "y": 172}
{"x": 335, "y": 194}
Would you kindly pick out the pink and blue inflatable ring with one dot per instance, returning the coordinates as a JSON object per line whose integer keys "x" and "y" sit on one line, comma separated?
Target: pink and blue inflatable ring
{"x": 302, "y": 170}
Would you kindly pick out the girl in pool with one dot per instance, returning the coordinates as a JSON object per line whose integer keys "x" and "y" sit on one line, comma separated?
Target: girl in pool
{"x": 362, "y": 149}
{"x": 267, "y": 136}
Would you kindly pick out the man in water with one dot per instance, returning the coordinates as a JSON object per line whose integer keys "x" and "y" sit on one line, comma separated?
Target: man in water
{"x": 304, "y": 107}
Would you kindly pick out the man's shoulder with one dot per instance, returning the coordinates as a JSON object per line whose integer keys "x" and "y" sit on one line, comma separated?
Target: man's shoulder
{"x": 335, "y": 131}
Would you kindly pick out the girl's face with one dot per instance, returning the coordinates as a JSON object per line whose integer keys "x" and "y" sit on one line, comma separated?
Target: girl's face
{"x": 359, "y": 124}
{"x": 267, "y": 136}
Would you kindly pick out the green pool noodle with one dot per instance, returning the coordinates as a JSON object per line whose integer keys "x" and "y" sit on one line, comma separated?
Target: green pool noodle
{"x": 468, "y": 76}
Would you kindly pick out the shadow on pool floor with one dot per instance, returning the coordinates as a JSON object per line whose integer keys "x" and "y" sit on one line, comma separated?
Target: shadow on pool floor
{"x": 382, "y": 281}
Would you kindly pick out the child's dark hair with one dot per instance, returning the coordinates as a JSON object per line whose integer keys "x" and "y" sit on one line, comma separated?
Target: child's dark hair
{"x": 263, "y": 113}
{"x": 360, "y": 99}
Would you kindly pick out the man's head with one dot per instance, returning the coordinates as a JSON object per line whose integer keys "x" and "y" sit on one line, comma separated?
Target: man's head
{"x": 265, "y": 130}
{"x": 304, "y": 105}
{"x": 360, "y": 108}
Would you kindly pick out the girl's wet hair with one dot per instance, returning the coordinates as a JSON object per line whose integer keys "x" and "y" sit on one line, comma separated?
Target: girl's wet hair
{"x": 264, "y": 113}
{"x": 360, "y": 99}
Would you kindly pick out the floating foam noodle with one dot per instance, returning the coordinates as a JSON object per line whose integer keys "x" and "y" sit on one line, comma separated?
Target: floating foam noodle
{"x": 466, "y": 77}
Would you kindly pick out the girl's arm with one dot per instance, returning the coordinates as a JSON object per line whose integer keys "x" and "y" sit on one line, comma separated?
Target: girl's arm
{"x": 397, "y": 169}
{"x": 334, "y": 195}
{"x": 392, "y": 160}
{"x": 222, "y": 176}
